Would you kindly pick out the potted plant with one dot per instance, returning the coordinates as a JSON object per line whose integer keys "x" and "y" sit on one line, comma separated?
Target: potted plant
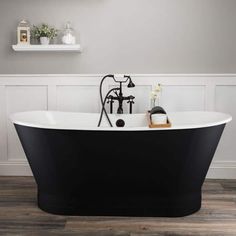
{"x": 44, "y": 33}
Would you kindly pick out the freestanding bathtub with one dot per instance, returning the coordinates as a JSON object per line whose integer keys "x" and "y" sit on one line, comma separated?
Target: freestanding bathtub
{"x": 131, "y": 171}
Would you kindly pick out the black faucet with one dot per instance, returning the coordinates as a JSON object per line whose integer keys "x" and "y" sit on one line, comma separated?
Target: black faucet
{"x": 118, "y": 97}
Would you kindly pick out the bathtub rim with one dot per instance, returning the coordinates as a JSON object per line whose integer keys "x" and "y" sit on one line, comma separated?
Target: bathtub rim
{"x": 15, "y": 120}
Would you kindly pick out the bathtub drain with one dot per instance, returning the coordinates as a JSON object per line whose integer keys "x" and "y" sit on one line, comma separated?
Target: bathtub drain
{"x": 120, "y": 123}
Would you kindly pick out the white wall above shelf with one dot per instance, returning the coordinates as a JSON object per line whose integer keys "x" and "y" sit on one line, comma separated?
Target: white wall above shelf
{"x": 47, "y": 48}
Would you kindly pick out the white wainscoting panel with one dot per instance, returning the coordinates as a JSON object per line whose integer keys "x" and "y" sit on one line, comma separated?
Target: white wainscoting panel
{"x": 21, "y": 98}
{"x": 3, "y": 127}
{"x": 80, "y": 93}
{"x": 177, "y": 98}
{"x": 226, "y": 102}
{"x": 78, "y": 98}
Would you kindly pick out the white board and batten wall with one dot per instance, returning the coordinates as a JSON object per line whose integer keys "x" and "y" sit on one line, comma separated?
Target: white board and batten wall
{"x": 80, "y": 93}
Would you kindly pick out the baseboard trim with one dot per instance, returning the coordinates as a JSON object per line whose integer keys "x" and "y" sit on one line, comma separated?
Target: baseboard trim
{"x": 15, "y": 169}
{"x": 222, "y": 173}
{"x": 222, "y": 170}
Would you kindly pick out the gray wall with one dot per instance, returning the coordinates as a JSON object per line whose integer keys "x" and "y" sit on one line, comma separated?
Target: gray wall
{"x": 127, "y": 36}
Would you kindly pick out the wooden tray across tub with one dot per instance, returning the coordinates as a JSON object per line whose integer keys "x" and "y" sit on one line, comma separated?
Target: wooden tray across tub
{"x": 151, "y": 125}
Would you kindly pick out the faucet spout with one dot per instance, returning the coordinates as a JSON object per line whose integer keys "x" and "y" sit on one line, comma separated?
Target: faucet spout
{"x": 120, "y": 110}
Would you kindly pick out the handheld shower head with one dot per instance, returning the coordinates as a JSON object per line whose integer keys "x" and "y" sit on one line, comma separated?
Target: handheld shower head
{"x": 130, "y": 84}
{"x": 123, "y": 79}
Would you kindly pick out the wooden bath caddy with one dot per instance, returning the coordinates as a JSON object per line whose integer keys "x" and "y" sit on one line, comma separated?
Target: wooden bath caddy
{"x": 151, "y": 125}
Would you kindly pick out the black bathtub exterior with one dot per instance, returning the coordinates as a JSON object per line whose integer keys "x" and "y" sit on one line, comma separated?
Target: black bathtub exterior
{"x": 120, "y": 173}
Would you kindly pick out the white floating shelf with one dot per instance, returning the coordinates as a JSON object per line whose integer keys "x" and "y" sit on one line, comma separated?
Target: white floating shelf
{"x": 47, "y": 48}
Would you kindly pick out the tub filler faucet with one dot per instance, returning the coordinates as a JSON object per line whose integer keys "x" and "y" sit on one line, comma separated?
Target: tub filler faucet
{"x": 117, "y": 96}
{"x": 120, "y": 98}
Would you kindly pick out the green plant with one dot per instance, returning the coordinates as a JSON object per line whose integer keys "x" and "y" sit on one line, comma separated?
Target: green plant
{"x": 43, "y": 30}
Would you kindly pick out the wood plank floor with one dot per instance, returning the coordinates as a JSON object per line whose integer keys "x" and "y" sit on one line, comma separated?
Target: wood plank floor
{"x": 19, "y": 215}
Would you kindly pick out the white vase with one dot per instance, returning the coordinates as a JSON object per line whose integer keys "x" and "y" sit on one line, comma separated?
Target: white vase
{"x": 44, "y": 40}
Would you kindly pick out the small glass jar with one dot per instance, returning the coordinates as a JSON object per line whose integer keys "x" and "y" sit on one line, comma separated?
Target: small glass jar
{"x": 68, "y": 36}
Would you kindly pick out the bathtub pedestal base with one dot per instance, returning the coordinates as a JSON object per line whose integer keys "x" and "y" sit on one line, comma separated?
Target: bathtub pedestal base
{"x": 146, "y": 206}
{"x": 91, "y": 172}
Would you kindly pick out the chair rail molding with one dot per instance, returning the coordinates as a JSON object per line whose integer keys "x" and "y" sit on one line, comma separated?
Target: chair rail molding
{"x": 80, "y": 93}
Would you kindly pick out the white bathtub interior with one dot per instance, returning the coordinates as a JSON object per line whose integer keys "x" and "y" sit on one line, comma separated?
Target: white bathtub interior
{"x": 84, "y": 121}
